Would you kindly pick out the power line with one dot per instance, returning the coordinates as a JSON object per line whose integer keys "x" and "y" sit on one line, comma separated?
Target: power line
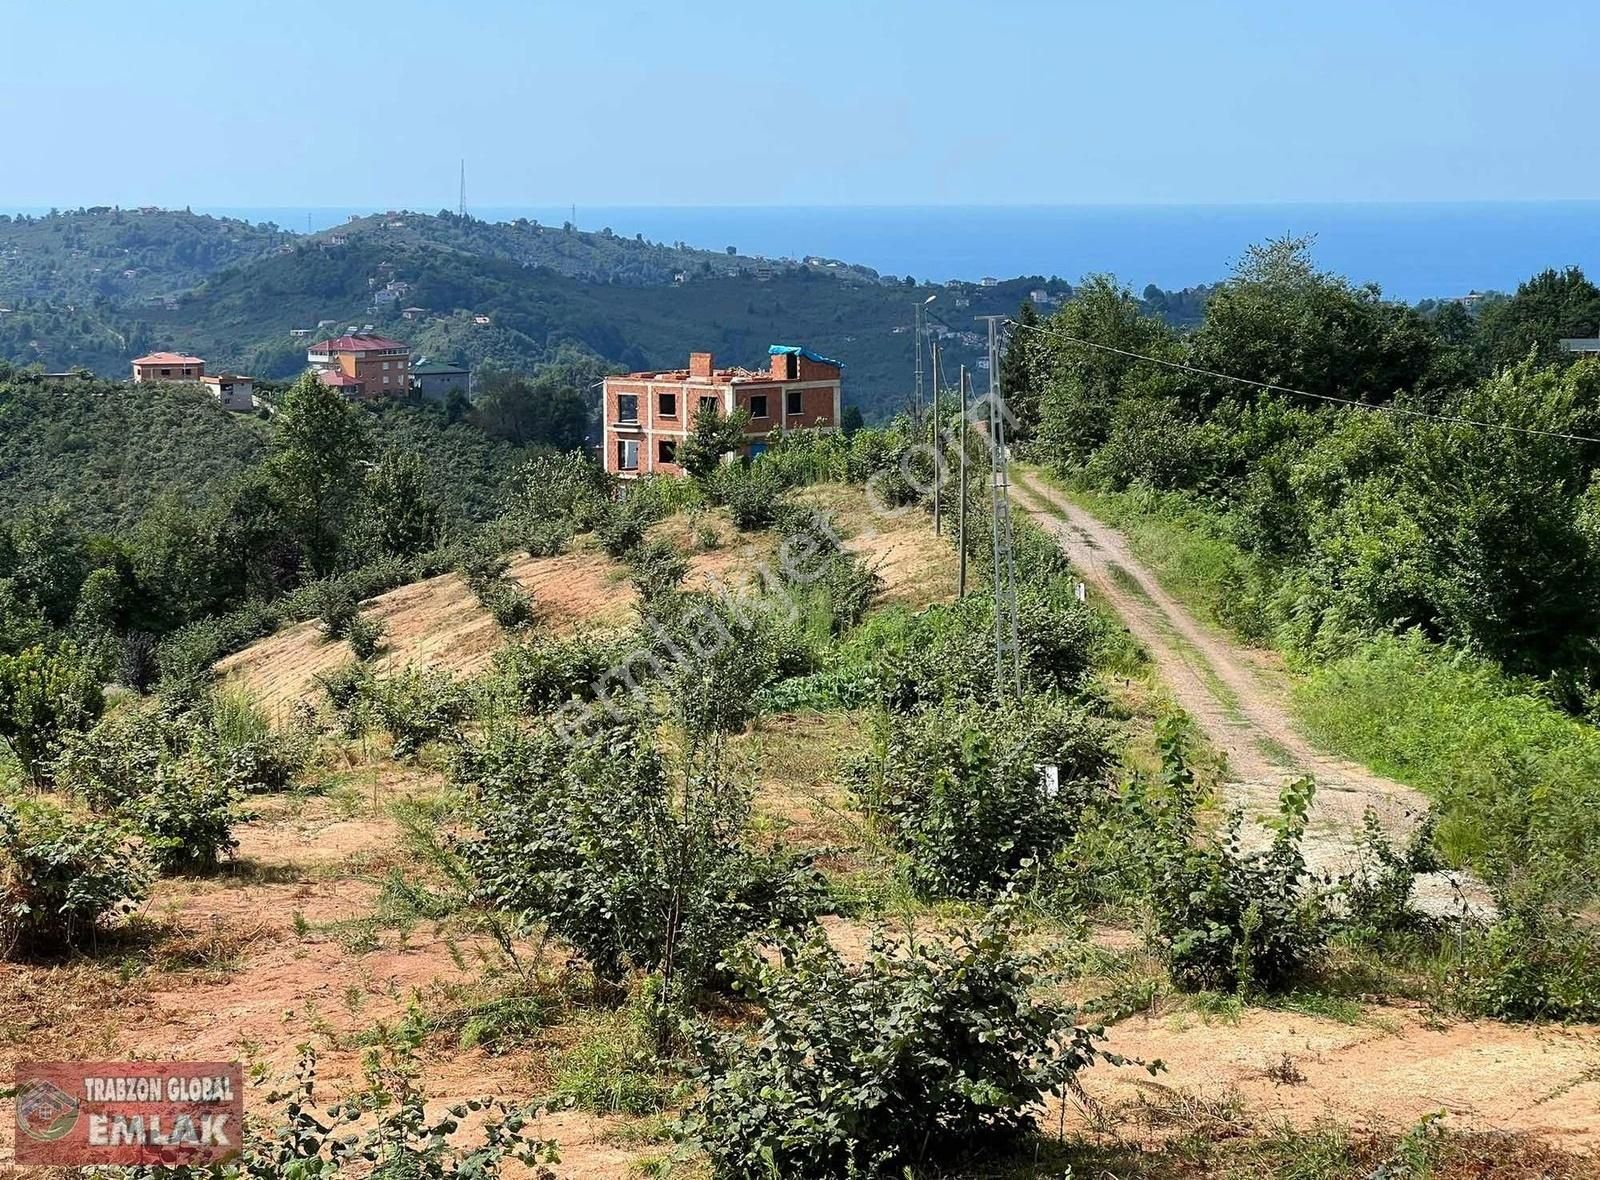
{"x": 1195, "y": 370}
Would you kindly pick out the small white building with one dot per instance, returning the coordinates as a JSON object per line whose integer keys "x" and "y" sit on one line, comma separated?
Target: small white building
{"x": 231, "y": 391}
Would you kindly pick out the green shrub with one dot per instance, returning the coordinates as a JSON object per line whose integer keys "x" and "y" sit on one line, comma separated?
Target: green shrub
{"x": 336, "y": 605}
{"x": 965, "y": 791}
{"x": 417, "y": 706}
{"x": 547, "y": 538}
{"x": 597, "y": 844}
{"x": 1227, "y": 919}
{"x": 365, "y": 636}
{"x": 658, "y": 570}
{"x": 921, "y": 1057}
{"x": 510, "y": 604}
{"x": 61, "y": 873}
{"x": 542, "y": 673}
{"x": 751, "y": 493}
{"x": 178, "y": 775}
{"x": 186, "y": 816}
{"x": 1538, "y": 960}
{"x": 44, "y": 696}
{"x": 346, "y": 686}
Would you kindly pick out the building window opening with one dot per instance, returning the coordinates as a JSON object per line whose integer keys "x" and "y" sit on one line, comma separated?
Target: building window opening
{"x": 628, "y": 454}
{"x": 758, "y": 405}
{"x": 668, "y": 405}
{"x": 667, "y": 451}
{"x": 627, "y": 407}
{"x": 794, "y": 402}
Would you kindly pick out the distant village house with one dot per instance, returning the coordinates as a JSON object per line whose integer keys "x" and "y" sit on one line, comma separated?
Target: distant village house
{"x": 648, "y": 414}
{"x": 361, "y": 366}
{"x": 437, "y": 382}
{"x": 231, "y": 391}
{"x": 167, "y": 366}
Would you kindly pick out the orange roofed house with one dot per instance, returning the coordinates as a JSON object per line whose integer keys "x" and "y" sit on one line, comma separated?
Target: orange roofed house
{"x": 362, "y": 366}
{"x": 167, "y": 366}
{"x": 648, "y": 414}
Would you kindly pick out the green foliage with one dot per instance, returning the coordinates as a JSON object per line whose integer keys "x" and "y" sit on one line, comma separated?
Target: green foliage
{"x": 541, "y": 673}
{"x": 752, "y": 493}
{"x": 658, "y": 570}
{"x": 1538, "y": 960}
{"x": 365, "y": 636}
{"x": 595, "y": 842}
{"x": 178, "y": 775}
{"x": 384, "y": 1132}
{"x": 966, "y": 791}
{"x": 44, "y": 696}
{"x": 1227, "y": 918}
{"x": 315, "y": 466}
{"x": 549, "y": 409}
{"x": 1514, "y": 780}
{"x": 713, "y": 436}
{"x": 418, "y": 705}
{"x": 922, "y": 1056}
{"x": 61, "y": 873}
{"x": 1545, "y": 309}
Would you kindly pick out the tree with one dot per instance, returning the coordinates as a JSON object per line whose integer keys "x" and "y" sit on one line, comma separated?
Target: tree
{"x": 851, "y": 420}
{"x": 1551, "y": 305}
{"x": 316, "y": 466}
{"x": 713, "y": 437}
{"x": 1018, "y": 379}
{"x": 1280, "y": 320}
{"x": 404, "y": 512}
{"x": 545, "y": 409}
{"x": 1083, "y": 385}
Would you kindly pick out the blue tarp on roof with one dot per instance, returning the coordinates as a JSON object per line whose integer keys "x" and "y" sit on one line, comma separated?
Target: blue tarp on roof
{"x": 795, "y": 349}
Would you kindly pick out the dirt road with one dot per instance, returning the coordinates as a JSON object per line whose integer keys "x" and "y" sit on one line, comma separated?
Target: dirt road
{"x": 1237, "y": 697}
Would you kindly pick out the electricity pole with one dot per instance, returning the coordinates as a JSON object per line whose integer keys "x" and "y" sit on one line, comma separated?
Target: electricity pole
{"x": 1007, "y": 642}
{"x": 938, "y": 458}
{"x": 961, "y": 507}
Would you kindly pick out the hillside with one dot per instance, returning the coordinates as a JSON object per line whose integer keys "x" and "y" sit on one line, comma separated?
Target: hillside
{"x": 233, "y": 293}
{"x": 122, "y": 255}
{"x": 109, "y": 450}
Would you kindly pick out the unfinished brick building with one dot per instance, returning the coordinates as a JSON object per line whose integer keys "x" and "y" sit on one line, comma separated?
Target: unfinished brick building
{"x": 648, "y": 414}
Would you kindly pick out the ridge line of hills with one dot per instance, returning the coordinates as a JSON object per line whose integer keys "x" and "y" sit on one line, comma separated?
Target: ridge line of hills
{"x": 97, "y": 287}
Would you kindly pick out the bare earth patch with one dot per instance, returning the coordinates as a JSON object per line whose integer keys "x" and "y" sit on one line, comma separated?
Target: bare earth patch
{"x": 1482, "y": 1075}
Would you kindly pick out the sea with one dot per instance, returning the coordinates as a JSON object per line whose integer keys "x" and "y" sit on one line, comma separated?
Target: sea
{"x": 1412, "y": 251}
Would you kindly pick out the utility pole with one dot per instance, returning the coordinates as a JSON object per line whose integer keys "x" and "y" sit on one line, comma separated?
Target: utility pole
{"x": 1007, "y": 643}
{"x": 961, "y": 507}
{"x": 461, "y": 204}
{"x": 938, "y": 456}
{"x": 917, "y": 330}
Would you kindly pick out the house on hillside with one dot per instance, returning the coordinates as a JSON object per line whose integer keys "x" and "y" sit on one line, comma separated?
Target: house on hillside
{"x": 437, "y": 382}
{"x": 1580, "y": 344}
{"x": 167, "y": 366}
{"x": 362, "y": 365}
{"x": 231, "y": 391}
{"x": 648, "y": 414}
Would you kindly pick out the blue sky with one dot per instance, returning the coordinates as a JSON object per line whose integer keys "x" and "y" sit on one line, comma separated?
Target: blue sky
{"x": 243, "y": 102}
